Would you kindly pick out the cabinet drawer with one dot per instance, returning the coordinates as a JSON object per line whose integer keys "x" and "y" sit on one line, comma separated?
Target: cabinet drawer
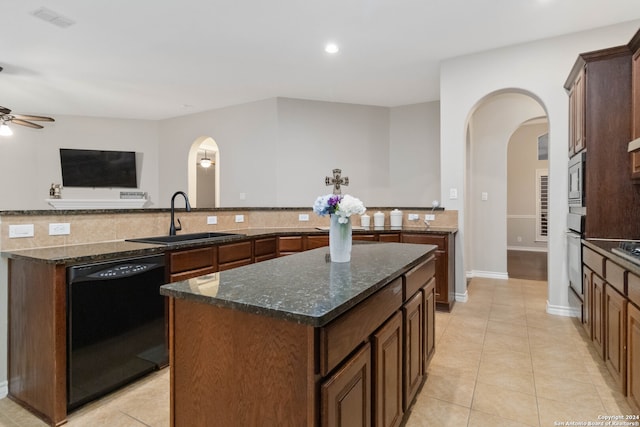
{"x": 192, "y": 259}
{"x": 633, "y": 288}
{"x": 340, "y": 337}
{"x": 615, "y": 276}
{"x": 267, "y": 246}
{"x": 417, "y": 277}
{"x": 389, "y": 238}
{"x": 593, "y": 260}
{"x": 233, "y": 252}
{"x": 290, "y": 243}
{"x": 365, "y": 237}
{"x": 426, "y": 239}
{"x": 314, "y": 242}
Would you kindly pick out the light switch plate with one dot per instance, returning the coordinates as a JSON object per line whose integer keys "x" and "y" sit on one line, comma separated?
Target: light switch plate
{"x": 20, "y": 230}
{"x": 212, "y": 219}
{"x": 239, "y": 218}
{"x": 413, "y": 217}
{"x": 453, "y": 193}
{"x": 485, "y": 195}
{"x": 58, "y": 229}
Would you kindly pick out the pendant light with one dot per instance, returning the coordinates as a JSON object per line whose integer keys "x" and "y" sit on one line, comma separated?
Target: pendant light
{"x": 205, "y": 162}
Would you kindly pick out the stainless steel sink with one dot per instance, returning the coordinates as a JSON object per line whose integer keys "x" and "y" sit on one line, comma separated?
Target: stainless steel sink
{"x": 184, "y": 238}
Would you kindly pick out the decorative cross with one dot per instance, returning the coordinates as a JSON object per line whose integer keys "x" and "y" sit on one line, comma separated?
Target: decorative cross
{"x": 337, "y": 181}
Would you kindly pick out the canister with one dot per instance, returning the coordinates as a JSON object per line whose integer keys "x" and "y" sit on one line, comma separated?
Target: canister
{"x": 378, "y": 219}
{"x": 396, "y": 218}
{"x": 365, "y": 220}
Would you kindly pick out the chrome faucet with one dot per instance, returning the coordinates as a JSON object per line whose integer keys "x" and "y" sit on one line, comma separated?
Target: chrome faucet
{"x": 173, "y": 228}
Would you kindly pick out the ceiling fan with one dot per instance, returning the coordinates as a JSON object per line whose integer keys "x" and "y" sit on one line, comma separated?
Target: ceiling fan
{"x": 20, "y": 119}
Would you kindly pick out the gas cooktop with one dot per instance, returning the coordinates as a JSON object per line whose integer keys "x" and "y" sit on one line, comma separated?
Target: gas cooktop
{"x": 629, "y": 251}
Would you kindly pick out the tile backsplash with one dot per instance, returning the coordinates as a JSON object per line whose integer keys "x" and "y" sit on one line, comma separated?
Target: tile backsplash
{"x": 111, "y": 226}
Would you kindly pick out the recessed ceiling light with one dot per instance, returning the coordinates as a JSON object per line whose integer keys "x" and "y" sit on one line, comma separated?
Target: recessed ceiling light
{"x": 331, "y": 48}
{"x": 53, "y": 17}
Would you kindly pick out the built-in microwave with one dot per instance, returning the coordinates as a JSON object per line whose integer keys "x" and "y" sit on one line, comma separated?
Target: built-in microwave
{"x": 576, "y": 180}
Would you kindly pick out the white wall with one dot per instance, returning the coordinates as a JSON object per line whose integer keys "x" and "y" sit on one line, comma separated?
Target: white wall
{"x": 540, "y": 68}
{"x": 30, "y": 159}
{"x": 493, "y": 123}
{"x": 414, "y": 156}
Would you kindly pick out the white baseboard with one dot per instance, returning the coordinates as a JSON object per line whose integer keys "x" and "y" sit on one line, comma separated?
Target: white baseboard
{"x": 4, "y": 389}
{"x": 527, "y": 248}
{"x": 561, "y": 310}
{"x": 487, "y": 274}
{"x": 462, "y": 297}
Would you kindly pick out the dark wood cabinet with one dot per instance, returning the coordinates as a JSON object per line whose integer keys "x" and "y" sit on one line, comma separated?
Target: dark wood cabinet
{"x": 606, "y": 113}
{"x": 587, "y": 305}
{"x": 346, "y": 395}
{"x": 232, "y": 255}
{"x": 445, "y": 265}
{"x": 429, "y": 294}
{"x": 413, "y": 318}
{"x": 313, "y": 242}
{"x": 394, "y": 237}
{"x": 387, "y": 373}
{"x": 288, "y": 245}
{"x": 615, "y": 320}
{"x": 597, "y": 312}
{"x": 265, "y": 249}
{"x": 576, "y": 114}
{"x": 633, "y": 357}
{"x": 187, "y": 263}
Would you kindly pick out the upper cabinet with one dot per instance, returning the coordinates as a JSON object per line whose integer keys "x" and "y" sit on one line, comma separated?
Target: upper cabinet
{"x": 576, "y": 113}
{"x": 600, "y": 121}
{"x": 634, "y": 148}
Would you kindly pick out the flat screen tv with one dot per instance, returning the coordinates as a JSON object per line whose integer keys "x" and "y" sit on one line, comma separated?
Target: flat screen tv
{"x": 98, "y": 168}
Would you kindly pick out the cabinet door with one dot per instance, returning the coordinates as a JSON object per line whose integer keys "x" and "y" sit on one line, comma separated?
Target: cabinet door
{"x": 429, "y": 322}
{"x": 188, "y": 263}
{"x": 234, "y": 255}
{"x": 576, "y": 115}
{"x": 587, "y": 308}
{"x": 387, "y": 373}
{"x": 616, "y": 335}
{"x": 314, "y": 242}
{"x": 633, "y": 357}
{"x": 413, "y": 312}
{"x": 635, "y": 90}
{"x": 346, "y": 395}
{"x": 265, "y": 249}
{"x": 597, "y": 311}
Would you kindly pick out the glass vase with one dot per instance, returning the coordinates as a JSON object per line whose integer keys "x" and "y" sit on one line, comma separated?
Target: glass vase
{"x": 340, "y": 240}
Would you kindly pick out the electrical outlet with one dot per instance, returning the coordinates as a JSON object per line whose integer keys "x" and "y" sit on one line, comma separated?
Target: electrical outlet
{"x": 243, "y": 196}
{"x": 413, "y": 217}
{"x": 212, "y": 219}
{"x": 429, "y": 217}
{"x": 303, "y": 217}
{"x": 519, "y": 238}
{"x": 239, "y": 218}
{"x": 453, "y": 193}
{"x": 59, "y": 229}
{"x": 21, "y": 230}
{"x": 485, "y": 196}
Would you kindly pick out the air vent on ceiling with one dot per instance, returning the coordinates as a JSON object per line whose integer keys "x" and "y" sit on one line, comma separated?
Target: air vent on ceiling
{"x": 53, "y": 17}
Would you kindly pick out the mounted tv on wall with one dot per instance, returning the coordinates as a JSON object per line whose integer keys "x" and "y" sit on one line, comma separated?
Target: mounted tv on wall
{"x": 98, "y": 168}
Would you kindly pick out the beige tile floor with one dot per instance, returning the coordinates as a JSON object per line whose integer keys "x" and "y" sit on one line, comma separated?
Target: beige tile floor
{"x": 500, "y": 361}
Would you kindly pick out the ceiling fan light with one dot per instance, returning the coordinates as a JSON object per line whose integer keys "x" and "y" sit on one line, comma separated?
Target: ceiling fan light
{"x": 205, "y": 162}
{"x": 5, "y": 130}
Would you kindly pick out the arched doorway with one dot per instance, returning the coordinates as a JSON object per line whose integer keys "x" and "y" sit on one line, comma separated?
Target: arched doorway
{"x": 490, "y": 125}
{"x": 204, "y": 177}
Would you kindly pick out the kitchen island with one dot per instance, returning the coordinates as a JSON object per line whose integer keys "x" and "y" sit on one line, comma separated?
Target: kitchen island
{"x": 302, "y": 341}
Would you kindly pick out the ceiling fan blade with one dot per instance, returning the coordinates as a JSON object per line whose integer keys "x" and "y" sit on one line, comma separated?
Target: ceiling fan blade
{"x": 35, "y": 118}
{"x": 4, "y": 110}
{"x": 25, "y": 123}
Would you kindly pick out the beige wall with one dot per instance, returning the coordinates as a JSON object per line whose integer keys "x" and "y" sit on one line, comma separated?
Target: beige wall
{"x": 522, "y": 163}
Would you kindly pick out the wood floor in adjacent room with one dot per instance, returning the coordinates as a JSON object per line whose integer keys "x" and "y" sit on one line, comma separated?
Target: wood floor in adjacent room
{"x": 527, "y": 265}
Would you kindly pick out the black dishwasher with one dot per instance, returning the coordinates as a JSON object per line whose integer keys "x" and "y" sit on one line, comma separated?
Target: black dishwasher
{"x": 116, "y": 329}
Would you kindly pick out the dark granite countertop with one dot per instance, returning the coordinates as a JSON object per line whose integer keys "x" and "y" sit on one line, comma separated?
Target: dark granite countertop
{"x": 305, "y": 288}
{"x": 604, "y": 247}
{"x": 74, "y": 254}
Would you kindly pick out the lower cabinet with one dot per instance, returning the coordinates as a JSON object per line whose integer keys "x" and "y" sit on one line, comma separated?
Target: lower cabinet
{"x": 346, "y": 395}
{"x": 387, "y": 373}
{"x": 429, "y": 294}
{"x": 413, "y": 315}
{"x": 616, "y": 335}
{"x": 587, "y": 289}
{"x": 597, "y": 310}
{"x": 633, "y": 357}
{"x": 187, "y": 263}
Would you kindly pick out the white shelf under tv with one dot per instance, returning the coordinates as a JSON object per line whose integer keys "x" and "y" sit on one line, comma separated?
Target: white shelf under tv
{"x": 70, "y": 204}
